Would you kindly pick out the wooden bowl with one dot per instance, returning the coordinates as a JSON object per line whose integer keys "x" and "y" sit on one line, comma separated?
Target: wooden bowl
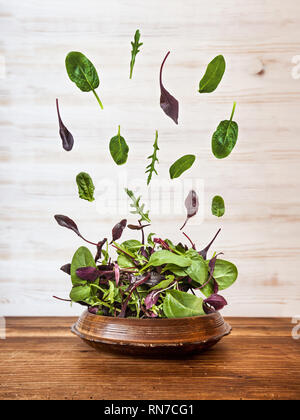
{"x": 158, "y": 336}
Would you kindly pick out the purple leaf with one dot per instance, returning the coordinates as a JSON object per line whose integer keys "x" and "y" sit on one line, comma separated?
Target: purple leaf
{"x": 167, "y": 102}
{"x": 99, "y": 249}
{"x": 66, "y": 222}
{"x": 137, "y": 227}
{"x": 117, "y": 274}
{"x": 65, "y": 135}
{"x": 206, "y": 249}
{"x": 93, "y": 310}
{"x": 118, "y": 230}
{"x": 151, "y": 299}
{"x": 66, "y": 268}
{"x": 192, "y": 206}
{"x": 88, "y": 273}
{"x": 216, "y": 301}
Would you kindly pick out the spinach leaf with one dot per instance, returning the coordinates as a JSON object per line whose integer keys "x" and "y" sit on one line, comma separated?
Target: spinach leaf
{"x": 80, "y": 293}
{"x": 218, "y": 206}
{"x": 225, "y": 137}
{"x": 81, "y": 258}
{"x": 164, "y": 283}
{"x": 86, "y": 187}
{"x": 225, "y": 273}
{"x": 132, "y": 245}
{"x": 65, "y": 135}
{"x": 166, "y": 257}
{"x": 119, "y": 149}
{"x": 192, "y": 206}
{"x": 139, "y": 208}
{"x": 213, "y": 75}
{"x": 181, "y": 165}
{"x": 83, "y": 73}
{"x": 178, "y": 271}
{"x": 197, "y": 271}
{"x": 135, "y": 50}
{"x": 124, "y": 261}
{"x": 181, "y": 304}
{"x": 168, "y": 103}
{"x": 151, "y": 168}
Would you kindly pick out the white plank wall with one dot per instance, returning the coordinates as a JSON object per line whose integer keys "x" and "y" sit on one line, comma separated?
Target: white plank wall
{"x": 259, "y": 181}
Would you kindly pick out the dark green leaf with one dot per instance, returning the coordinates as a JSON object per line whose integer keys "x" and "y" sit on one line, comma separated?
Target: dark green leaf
{"x": 225, "y": 137}
{"x": 181, "y": 165}
{"x": 218, "y": 206}
{"x": 213, "y": 75}
{"x": 80, "y": 293}
{"x": 164, "y": 283}
{"x": 81, "y": 258}
{"x": 181, "y": 304}
{"x": 198, "y": 270}
{"x": 225, "y": 274}
{"x": 119, "y": 149}
{"x": 135, "y": 50}
{"x": 166, "y": 257}
{"x": 139, "y": 208}
{"x": 86, "y": 187}
{"x": 83, "y": 73}
{"x": 151, "y": 168}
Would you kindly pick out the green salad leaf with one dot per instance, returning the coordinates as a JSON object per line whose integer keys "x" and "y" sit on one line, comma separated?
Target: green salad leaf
{"x": 181, "y": 304}
{"x": 218, "y": 206}
{"x": 119, "y": 148}
{"x": 181, "y": 165}
{"x": 83, "y": 73}
{"x": 213, "y": 75}
{"x": 86, "y": 187}
{"x": 225, "y": 137}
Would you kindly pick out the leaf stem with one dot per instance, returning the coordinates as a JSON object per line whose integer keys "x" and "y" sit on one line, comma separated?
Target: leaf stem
{"x": 98, "y": 99}
{"x": 233, "y": 110}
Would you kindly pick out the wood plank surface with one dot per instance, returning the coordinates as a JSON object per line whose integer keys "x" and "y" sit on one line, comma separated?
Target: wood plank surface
{"x": 41, "y": 359}
{"x": 260, "y": 180}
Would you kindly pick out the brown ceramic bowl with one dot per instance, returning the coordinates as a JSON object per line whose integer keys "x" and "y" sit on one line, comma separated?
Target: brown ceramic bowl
{"x": 158, "y": 336}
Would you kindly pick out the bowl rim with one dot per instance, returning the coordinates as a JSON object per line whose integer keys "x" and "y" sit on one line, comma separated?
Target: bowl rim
{"x": 212, "y": 315}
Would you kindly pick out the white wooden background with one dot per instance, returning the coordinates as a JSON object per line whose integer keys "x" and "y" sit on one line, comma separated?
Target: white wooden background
{"x": 260, "y": 180}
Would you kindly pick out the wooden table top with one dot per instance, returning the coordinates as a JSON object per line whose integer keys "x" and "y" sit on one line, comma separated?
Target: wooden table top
{"x": 41, "y": 359}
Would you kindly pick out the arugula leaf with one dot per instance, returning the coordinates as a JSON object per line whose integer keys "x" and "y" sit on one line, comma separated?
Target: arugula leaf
{"x": 83, "y": 73}
{"x": 81, "y": 258}
{"x": 181, "y": 165}
{"x": 139, "y": 208}
{"x": 65, "y": 135}
{"x": 225, "y": 137}
{"x": 168, "y": 103}
{"x": 135, "y": 50}
{"x": 151, "y": 168}
{"x": 213, "y": 75}
{"x": 86, "y": 187}
{"x": 218, "y": 206}
{"x": 119, "y": 148}
{"x": 181, "y": 304}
